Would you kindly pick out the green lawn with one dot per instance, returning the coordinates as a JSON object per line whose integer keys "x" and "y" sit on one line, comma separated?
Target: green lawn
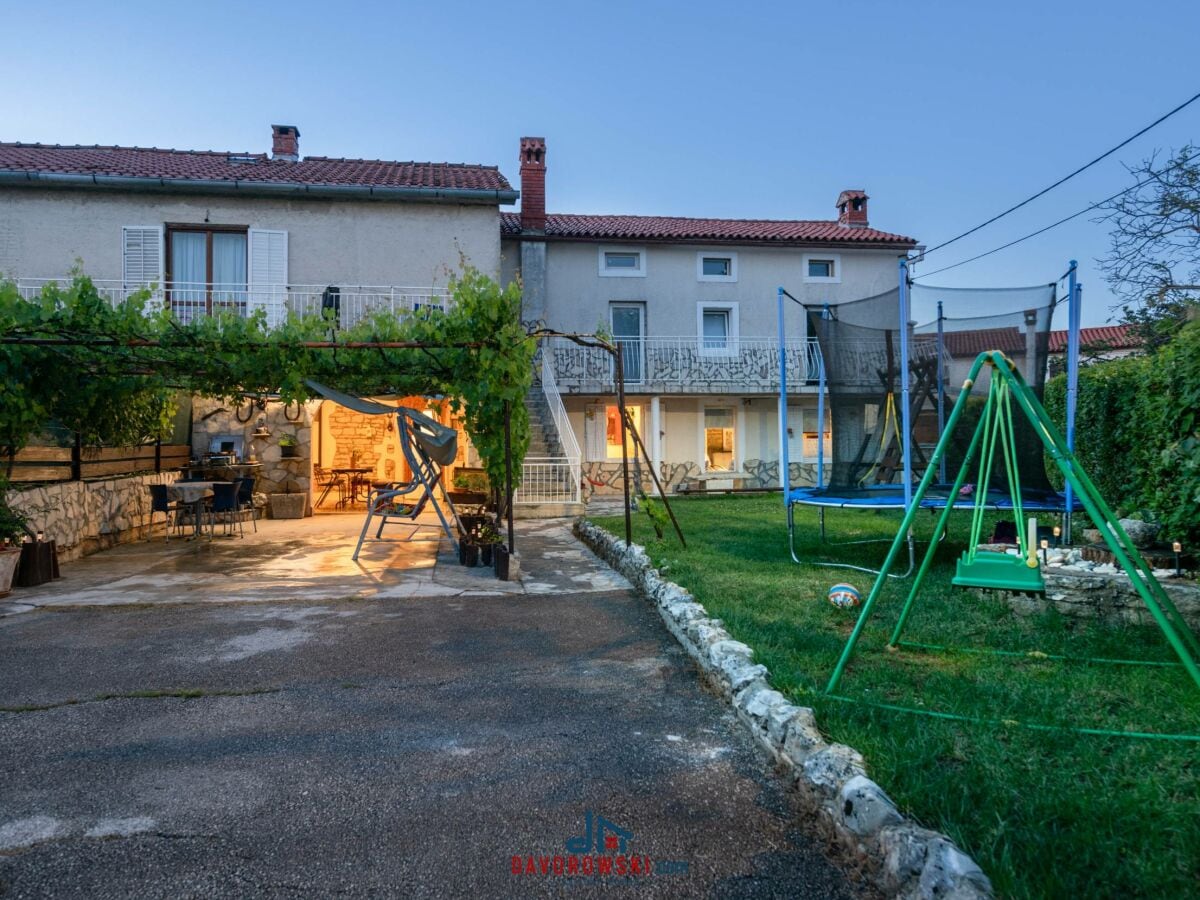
{"x": 1047, "y": 814}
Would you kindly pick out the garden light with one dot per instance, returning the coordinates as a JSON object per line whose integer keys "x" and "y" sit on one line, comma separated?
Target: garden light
{"x": 1177, "y": 547}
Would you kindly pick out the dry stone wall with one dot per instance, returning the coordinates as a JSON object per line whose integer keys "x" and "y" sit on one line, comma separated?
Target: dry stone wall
{"x": 86, "y": 516}
{"x": 212, "y": 418}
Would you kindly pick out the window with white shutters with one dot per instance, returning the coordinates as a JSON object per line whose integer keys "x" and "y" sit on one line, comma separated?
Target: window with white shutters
{"x": 268, "y": 270}
{"x": 141, "y": 256}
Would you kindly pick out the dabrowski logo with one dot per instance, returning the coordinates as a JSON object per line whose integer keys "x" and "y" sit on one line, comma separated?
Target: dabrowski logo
{"x": 602, "y": 849}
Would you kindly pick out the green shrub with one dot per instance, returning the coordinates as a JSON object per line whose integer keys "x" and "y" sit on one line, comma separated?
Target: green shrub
{"x": 1137, "y": 431}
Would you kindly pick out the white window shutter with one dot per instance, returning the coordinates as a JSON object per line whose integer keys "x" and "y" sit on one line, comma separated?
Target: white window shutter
{"x": 267, "y": 267}
{"x": 595, "y": 432}
{"x": 141, "y": 256}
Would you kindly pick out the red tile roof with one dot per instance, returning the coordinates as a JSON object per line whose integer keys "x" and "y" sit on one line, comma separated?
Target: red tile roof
{"x": 969, "y": 344}
{"x": 671, "y": 228}
{"x": 1115, "y": 337}
{"x": 209, "y": 165}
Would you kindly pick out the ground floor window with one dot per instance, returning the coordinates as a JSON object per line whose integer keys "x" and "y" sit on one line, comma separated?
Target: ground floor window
{"x": 720, "y": 439}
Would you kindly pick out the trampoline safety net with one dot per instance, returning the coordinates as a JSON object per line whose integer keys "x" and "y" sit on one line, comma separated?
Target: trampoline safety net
{"x": 860, "y": 345}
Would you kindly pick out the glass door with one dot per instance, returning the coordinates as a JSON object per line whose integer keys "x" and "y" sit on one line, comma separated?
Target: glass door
{"x": 207, "y": 271}
{"x": 629, "y": 334}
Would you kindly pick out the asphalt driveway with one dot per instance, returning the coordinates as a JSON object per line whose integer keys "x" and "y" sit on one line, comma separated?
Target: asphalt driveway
{"x": 389, "y": 747}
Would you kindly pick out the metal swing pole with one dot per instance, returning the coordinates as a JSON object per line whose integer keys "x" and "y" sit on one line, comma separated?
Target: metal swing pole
{"x": 941, "y": 377}
{"x": 905, "y": 526}
{"x": 1074, "y": 303}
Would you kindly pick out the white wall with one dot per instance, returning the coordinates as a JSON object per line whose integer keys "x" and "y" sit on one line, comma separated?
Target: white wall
{"x": 578, "y": 297}
{"x": 44, "y": 232}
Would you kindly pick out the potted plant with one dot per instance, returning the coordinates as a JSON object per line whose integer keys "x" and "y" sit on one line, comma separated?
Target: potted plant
{"x": 468, "y": 550}
{"x": 13, "y": 528}
{"x": 289, "y": 447}
{"x": 292, "y": 503}
{"x": 470, "y": 488}
{"x": 489, "y": 540}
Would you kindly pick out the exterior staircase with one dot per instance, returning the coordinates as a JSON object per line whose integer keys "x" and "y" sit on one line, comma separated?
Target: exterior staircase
{"x": 548, "y": 485}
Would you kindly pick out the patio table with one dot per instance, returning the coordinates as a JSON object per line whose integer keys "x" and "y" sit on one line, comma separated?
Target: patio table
{"x": 352, "y": 482}
{"x": 193, "y": 493}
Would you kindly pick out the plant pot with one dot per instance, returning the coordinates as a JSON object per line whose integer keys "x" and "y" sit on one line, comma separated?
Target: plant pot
{"x": 288, "y": 506}
{"x": 468, "y": 554}
{"x": 288, "y": 451}
{"x": 500, "y": 561}
{"x": 467, "y": 498}
{"x": 9, "y": 557}
{"x": 486, "y": 554}
{"x": 39, "y": 563}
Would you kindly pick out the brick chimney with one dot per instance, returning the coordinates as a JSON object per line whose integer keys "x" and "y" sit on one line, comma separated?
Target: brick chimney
{"x": 852, "y": 209}
{"x": 533, "y": 184}
{"x": 285, "y": 142}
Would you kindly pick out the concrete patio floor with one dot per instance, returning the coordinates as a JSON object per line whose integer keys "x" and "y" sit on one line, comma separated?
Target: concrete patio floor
{"x": 310, "y": 558}
{"x": 261, "y": 718}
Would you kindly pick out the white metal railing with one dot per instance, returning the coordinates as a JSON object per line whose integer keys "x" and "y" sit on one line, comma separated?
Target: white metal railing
{"x": 688, "y": 364}
{"x": 548, "y": 479}
{"x": 191, "y": 300}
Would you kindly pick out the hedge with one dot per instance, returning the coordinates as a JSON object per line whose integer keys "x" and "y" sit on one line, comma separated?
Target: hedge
{"x": 1137, "y": 431}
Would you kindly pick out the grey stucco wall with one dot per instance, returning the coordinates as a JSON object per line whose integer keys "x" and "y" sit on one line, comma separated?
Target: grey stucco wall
{"x": 44, "y": 232}
{"x": 578, "y": 297}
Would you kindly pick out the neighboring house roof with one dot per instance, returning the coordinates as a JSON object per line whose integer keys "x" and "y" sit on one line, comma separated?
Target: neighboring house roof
{"x": 969, "y": 344}
{"x": 1113, "y": 337}
{"x": 82, "y": 166}
{"x": 562, "y": 226}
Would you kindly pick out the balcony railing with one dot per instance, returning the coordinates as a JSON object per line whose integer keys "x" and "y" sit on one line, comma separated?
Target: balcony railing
{"x": 685, "y": 364}
{"x": 189, "y": 301}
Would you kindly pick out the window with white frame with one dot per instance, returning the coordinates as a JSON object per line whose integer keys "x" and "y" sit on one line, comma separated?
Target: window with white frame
{"x": 622, "y": 262}
{"x": 808, "y": 420}
{"x": 717, "y": 326}
{"x": 823, "y": 268}
{"x": 720, "y": 267}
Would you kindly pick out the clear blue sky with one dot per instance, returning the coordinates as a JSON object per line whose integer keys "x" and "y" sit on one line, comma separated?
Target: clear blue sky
{"x": 944, "y": 112}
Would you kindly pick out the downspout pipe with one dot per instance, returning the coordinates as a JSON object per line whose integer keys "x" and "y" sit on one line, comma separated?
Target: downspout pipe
{"x": 785, "y": 471}
{"x": 254, "y": 188}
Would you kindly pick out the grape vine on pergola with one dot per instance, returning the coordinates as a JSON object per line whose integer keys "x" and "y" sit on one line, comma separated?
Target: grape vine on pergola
{"x": 112, "y": 369}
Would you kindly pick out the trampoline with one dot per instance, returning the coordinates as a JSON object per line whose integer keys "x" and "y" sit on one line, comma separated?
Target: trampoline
{"x": 887, "y": 382}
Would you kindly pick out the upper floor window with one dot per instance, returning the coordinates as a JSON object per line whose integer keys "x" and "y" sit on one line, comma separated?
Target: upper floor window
{"x": 823, "y": 267}
{"x": 717, "y": 324}
{"x": 207, "y": 267}
{"x": 716, "y": 266}
{"x": 622, "y": 261}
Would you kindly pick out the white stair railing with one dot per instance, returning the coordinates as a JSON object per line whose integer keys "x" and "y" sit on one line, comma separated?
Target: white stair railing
{"x": 552, "y": 479}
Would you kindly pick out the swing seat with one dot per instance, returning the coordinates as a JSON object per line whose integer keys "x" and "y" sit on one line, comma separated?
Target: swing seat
{"x": 996, "y": 571}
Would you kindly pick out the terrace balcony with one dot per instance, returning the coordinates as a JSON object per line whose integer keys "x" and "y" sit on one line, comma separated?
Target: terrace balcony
{"x": 666, "y": 365}
{"x": 189, "y": 301}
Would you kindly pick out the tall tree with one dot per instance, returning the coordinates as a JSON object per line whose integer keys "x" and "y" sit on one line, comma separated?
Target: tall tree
{"x": 1153, "y": 263}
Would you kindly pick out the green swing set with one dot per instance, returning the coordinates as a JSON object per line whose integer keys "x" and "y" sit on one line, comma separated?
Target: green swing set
{"x": 1003, "y": 571}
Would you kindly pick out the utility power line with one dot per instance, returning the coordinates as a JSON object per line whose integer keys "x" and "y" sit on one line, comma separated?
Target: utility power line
{"x": 1067, "y": 178}
{"x": 1064, "y": 220}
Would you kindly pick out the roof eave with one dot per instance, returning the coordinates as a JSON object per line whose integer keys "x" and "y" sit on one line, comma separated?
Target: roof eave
{"x": 393, "y": 193}
{"x": 903, "y": 243}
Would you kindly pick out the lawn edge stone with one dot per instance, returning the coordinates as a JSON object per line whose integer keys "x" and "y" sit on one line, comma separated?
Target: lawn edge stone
{"x": 910, "y": 861}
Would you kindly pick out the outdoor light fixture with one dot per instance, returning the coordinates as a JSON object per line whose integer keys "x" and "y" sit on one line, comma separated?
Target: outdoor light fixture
{"x": 41, "y": 536}
{"x": 1178, "y": 548}
{"x": 1045, "y": 556}
{"x": 1057, "y": 536}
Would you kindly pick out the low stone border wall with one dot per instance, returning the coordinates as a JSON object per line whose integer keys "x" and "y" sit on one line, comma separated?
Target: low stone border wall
{"x": 86, "y": 516}
{"x": 911, "y": 861}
